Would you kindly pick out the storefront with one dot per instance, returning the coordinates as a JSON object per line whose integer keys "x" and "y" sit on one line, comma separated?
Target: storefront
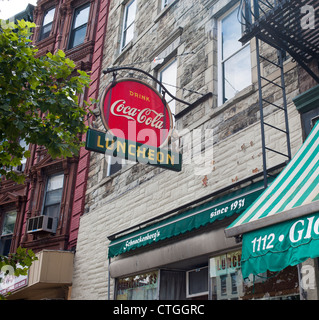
{"x": 186, "y": 256}
{"x": 281, "y": 228}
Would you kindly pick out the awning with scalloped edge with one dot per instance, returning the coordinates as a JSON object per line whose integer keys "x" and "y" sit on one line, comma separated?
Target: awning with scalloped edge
{"x": 217, "y": 209}
{"x": 281, "y": 228}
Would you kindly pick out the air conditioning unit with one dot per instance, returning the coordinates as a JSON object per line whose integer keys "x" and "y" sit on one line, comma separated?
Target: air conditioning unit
{"x": 42, "y": 223}
{"x": 197, "y": 282}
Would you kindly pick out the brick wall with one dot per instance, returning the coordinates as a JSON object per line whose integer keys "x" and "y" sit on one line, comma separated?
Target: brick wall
{"x": 84, "y": 158}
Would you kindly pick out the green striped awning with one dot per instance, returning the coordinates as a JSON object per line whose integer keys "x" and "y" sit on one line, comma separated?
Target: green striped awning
{"x": 217, "y": 209}
{"x": 283, "y": 219}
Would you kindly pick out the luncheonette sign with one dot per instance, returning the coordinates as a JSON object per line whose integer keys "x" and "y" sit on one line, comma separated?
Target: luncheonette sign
{"x": 133, "y": 110}
{"x": 138, "y": 123}
{"x": 125, "y": 149}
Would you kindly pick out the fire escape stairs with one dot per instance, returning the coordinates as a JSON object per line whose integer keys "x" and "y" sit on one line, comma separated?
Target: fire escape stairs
{"x": 278, "y": 24}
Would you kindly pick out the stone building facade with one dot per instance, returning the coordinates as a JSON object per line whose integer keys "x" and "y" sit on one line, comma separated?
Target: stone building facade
{"x": 218, "y": 133}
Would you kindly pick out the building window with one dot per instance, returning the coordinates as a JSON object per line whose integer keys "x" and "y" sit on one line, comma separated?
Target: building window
{"x": 7, "y": 232}
{"x": 168, "y": 76}
{"x": 128, "y": 23}
{"x": 138, "y": 287}
{"x": 53, "y": 196}
{"x": 234, "y": 58}
{"x": 47, "y": 24}
{"x": 227, "y": 283}
{"x": 165, "y": 3}
{"x": 79, "y": 26}
{"x": 309, "y": 120}
{"x": 197, "y": 282}
{"x": 114, "y": 165}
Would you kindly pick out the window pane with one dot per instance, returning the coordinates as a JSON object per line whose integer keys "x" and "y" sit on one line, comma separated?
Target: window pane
{"x": 9, "y": 222}
{"x": 78, "y": 36}
{"x": 52, "y": 211}
{"x": 128, "y": 35}
{"x": 198, "y": 281}
{"x": 131, "y": 10}
{"x": 53, "y": 197}
{"x": 168, "y": 77}
{"x": 55, "y": 182}
{"x": 237, "y": 73}
{"x": 5, "y": 244}
{"x": 81, "y": 17}
{"x": 128, "y": 23}
{"x": 138, "y": 287}
{"x": 48, "y": 18}
{"x": 231, "y": 33}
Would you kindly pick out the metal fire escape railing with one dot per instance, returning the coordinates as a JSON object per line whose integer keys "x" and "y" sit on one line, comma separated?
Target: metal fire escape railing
{"x": 283, "y": 24}
{"x": 279, "y": 24}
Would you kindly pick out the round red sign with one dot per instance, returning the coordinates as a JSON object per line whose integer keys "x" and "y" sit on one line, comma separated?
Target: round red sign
{"x": 133, "y": 110}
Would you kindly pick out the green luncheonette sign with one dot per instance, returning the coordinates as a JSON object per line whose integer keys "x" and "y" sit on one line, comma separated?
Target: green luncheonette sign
{"x": 106, "y": 143}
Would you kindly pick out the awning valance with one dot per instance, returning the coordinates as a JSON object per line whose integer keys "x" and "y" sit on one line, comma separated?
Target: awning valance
{"x": 218, "y": 209}
{"x": 281, "y": 227}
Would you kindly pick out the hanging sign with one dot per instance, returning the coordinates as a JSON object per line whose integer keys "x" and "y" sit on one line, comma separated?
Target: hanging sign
{"x": 104, "y": 142}
{"x": 133, "y": 110}
{"x": 138, "y": 123}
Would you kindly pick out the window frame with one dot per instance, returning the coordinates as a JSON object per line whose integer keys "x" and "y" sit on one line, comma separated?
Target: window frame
{"x": 73, "y": 30}
{"x": 160, "y": 72}
{"x": 44, "y": 206}
{"x": 43, "y": 35}
{"x": 114, "y": 165}
{"x": 124, "y": 42}
{"x": 165, "y": 3}
{"x": 221, "y": 61}
{"x": 4, "y": 237}
{"x": 188, "y": 282}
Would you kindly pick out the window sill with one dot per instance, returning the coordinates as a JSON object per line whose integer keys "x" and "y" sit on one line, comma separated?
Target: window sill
{"x": 238, "y": 97}
{"x": 123, "y": 52}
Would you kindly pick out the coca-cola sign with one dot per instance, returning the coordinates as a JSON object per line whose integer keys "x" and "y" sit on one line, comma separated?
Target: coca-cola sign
{"x": 133, "y": 110}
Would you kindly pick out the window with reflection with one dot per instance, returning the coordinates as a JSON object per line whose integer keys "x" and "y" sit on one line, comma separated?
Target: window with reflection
{"x": 168, "y": 77}
{"x": 7, "y": 232}
{"x": 128, "y": 23}
{"x": 234, "y": 57}
{"x": 53, "y": 196}
{"x": 79, "y": 26}
{"x": 138, "y": 287}
{"x": 227, "y": 282}
{"x": 47, "y": 23}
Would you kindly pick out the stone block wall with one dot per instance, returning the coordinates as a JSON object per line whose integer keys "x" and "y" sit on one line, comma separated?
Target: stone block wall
{"x": 232, "y": 148}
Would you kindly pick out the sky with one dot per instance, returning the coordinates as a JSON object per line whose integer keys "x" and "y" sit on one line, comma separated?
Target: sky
{"x": 9, "y": 8}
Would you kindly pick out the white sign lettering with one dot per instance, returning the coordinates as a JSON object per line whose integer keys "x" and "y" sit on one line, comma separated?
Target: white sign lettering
{"x": 147, "y": 116}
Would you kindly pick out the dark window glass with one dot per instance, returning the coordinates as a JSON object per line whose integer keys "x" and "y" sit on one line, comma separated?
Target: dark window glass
{"x": 79, "y": 26}
{"x": 53, "y": 196}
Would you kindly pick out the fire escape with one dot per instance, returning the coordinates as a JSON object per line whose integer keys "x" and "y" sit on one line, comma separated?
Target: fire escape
{"x": 288, "y": 27}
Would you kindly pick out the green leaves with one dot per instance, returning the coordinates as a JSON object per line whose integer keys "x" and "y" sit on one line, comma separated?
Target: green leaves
{"x": 38, "y": 98}
{"x": 16, "y": 264}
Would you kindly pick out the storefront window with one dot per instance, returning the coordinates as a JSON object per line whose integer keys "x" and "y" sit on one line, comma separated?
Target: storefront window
{"x": 140, "y": 287}
{"x": 227, "y": 282}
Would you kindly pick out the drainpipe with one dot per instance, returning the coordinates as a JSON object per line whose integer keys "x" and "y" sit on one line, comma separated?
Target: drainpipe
{"x": 109, "y": 281}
